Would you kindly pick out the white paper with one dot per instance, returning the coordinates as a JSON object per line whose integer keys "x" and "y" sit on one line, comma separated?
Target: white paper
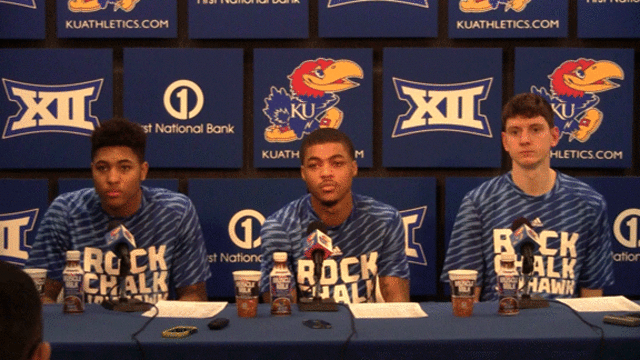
{"x": 387, "y": 310}
{"x": 601, "y": 304}
{"x": 187, "y": 309}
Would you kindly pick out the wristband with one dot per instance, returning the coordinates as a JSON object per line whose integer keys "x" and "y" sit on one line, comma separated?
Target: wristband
{"x": 178, "y": 332}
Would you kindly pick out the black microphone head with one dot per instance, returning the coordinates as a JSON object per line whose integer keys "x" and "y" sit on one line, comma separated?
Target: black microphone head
{"x": 527, "y": 258}
{"x": 519, "y": 222}
{"x": 316, "y": 225}
{"x": 113, "y": 223}
{"x": 526, "y": 250}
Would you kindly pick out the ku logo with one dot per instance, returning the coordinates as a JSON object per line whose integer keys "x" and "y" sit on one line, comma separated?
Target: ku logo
{"x": 572, "y": 94}
{"x": 478, "y": 6}
{"x": 419, "y": 3}
{"x": 311, "y": 104}
{"x": 51, "y": 108}
{"x": 25, "y": 3}
{"x": 13, "y": 235}
{"x": 449, "y": 107}
{"x": 95, "y": 5}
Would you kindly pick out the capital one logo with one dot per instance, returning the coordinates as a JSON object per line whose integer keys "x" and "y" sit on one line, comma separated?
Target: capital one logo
{"x": 242, "y": 227}
{"x": 190, "y": 99}
{"x": 625, "y": 228}
{"x": 51, "y": 108}
{"x": 13, "y": 235}
{"x": 442, "y": 107}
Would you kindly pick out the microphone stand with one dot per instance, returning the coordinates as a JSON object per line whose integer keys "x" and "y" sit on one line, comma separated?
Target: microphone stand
{"x": 317, "y": 303}
{"x": 124, "y": 304}
{"x": 531, "y": 302}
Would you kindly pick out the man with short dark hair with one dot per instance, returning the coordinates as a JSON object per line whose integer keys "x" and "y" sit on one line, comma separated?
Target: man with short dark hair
{"x": 367, "y": 235}
{"x": 170, "y": 254}
{"x": 574, "y": 251}
{"x": 20, "y": 317}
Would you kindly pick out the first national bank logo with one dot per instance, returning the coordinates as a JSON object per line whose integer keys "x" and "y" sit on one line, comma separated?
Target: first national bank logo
{"x": 96, "y": 5}
{"x": 52, "y": 108}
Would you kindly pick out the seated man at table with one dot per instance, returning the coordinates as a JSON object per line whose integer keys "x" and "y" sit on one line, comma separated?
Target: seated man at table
{"x": 572, "y": 256}
{"x": 367, "y": 235}
{"x": 169, "y": 254}
{"x": 20, "y": 317}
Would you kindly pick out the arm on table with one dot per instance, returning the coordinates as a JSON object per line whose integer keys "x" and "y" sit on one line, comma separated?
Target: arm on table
{"x": 394, "y": 289}
{"x": 195, "y": 292}
{"x": 590, "y": 292}
{"x": 476, "y": 294}
{"x": 51, "y": 290}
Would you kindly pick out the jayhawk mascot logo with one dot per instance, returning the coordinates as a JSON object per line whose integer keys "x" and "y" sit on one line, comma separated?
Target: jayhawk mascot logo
{"x": 477, "y": 6}
{"x": 573, "y": 88}
{"x": 95, "y": 5}
{"x": 311, "y": 103}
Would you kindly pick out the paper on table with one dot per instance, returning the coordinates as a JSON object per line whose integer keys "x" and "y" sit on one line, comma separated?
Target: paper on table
{"x": 187, "y": 309}
{"x": 387, "y": 310}
{"x": 600, "y": 304}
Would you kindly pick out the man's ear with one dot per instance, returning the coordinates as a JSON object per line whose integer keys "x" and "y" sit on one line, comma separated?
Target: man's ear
{"x": 503, "y": 136}
{"x": 555, "y": 136}
{"x": 144, "y": 171}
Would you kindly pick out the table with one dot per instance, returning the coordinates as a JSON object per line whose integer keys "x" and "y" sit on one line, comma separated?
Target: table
{"x": 548, "y": 333}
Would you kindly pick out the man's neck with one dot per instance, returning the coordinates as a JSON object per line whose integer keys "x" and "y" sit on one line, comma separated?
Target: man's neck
{"x": 336, "y": 214}
{"x": 534, "y": 182}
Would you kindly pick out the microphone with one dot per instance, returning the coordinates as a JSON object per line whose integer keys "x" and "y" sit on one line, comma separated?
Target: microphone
{"x": 525, "y": 242}
{"x": 318, "y": 248}
{"x": 121, "y": 242}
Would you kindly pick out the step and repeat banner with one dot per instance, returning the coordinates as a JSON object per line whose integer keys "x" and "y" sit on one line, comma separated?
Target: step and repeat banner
{"x": 440, "y": 106}
{"x": 189, "y": 102}
{"x": 289, "y": 19}
{"x": 22, "y": 204}
{"x": 248, "y": 19}
{"x": 296, "y": 91}
{"x": 440, "y": 112}
{"x": 22, "y": 19}
{"x": 508, "y": 18}
{"x": 53, "y": 100}
{"x": 608, "y": 19}
{"x": 591, "y": 93}
{"x": 378, "y": 19}
{"x": 117, "y": 19}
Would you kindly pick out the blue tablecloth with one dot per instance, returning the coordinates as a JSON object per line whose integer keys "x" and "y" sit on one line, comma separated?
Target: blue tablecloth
{"x": 548, "y": 333}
